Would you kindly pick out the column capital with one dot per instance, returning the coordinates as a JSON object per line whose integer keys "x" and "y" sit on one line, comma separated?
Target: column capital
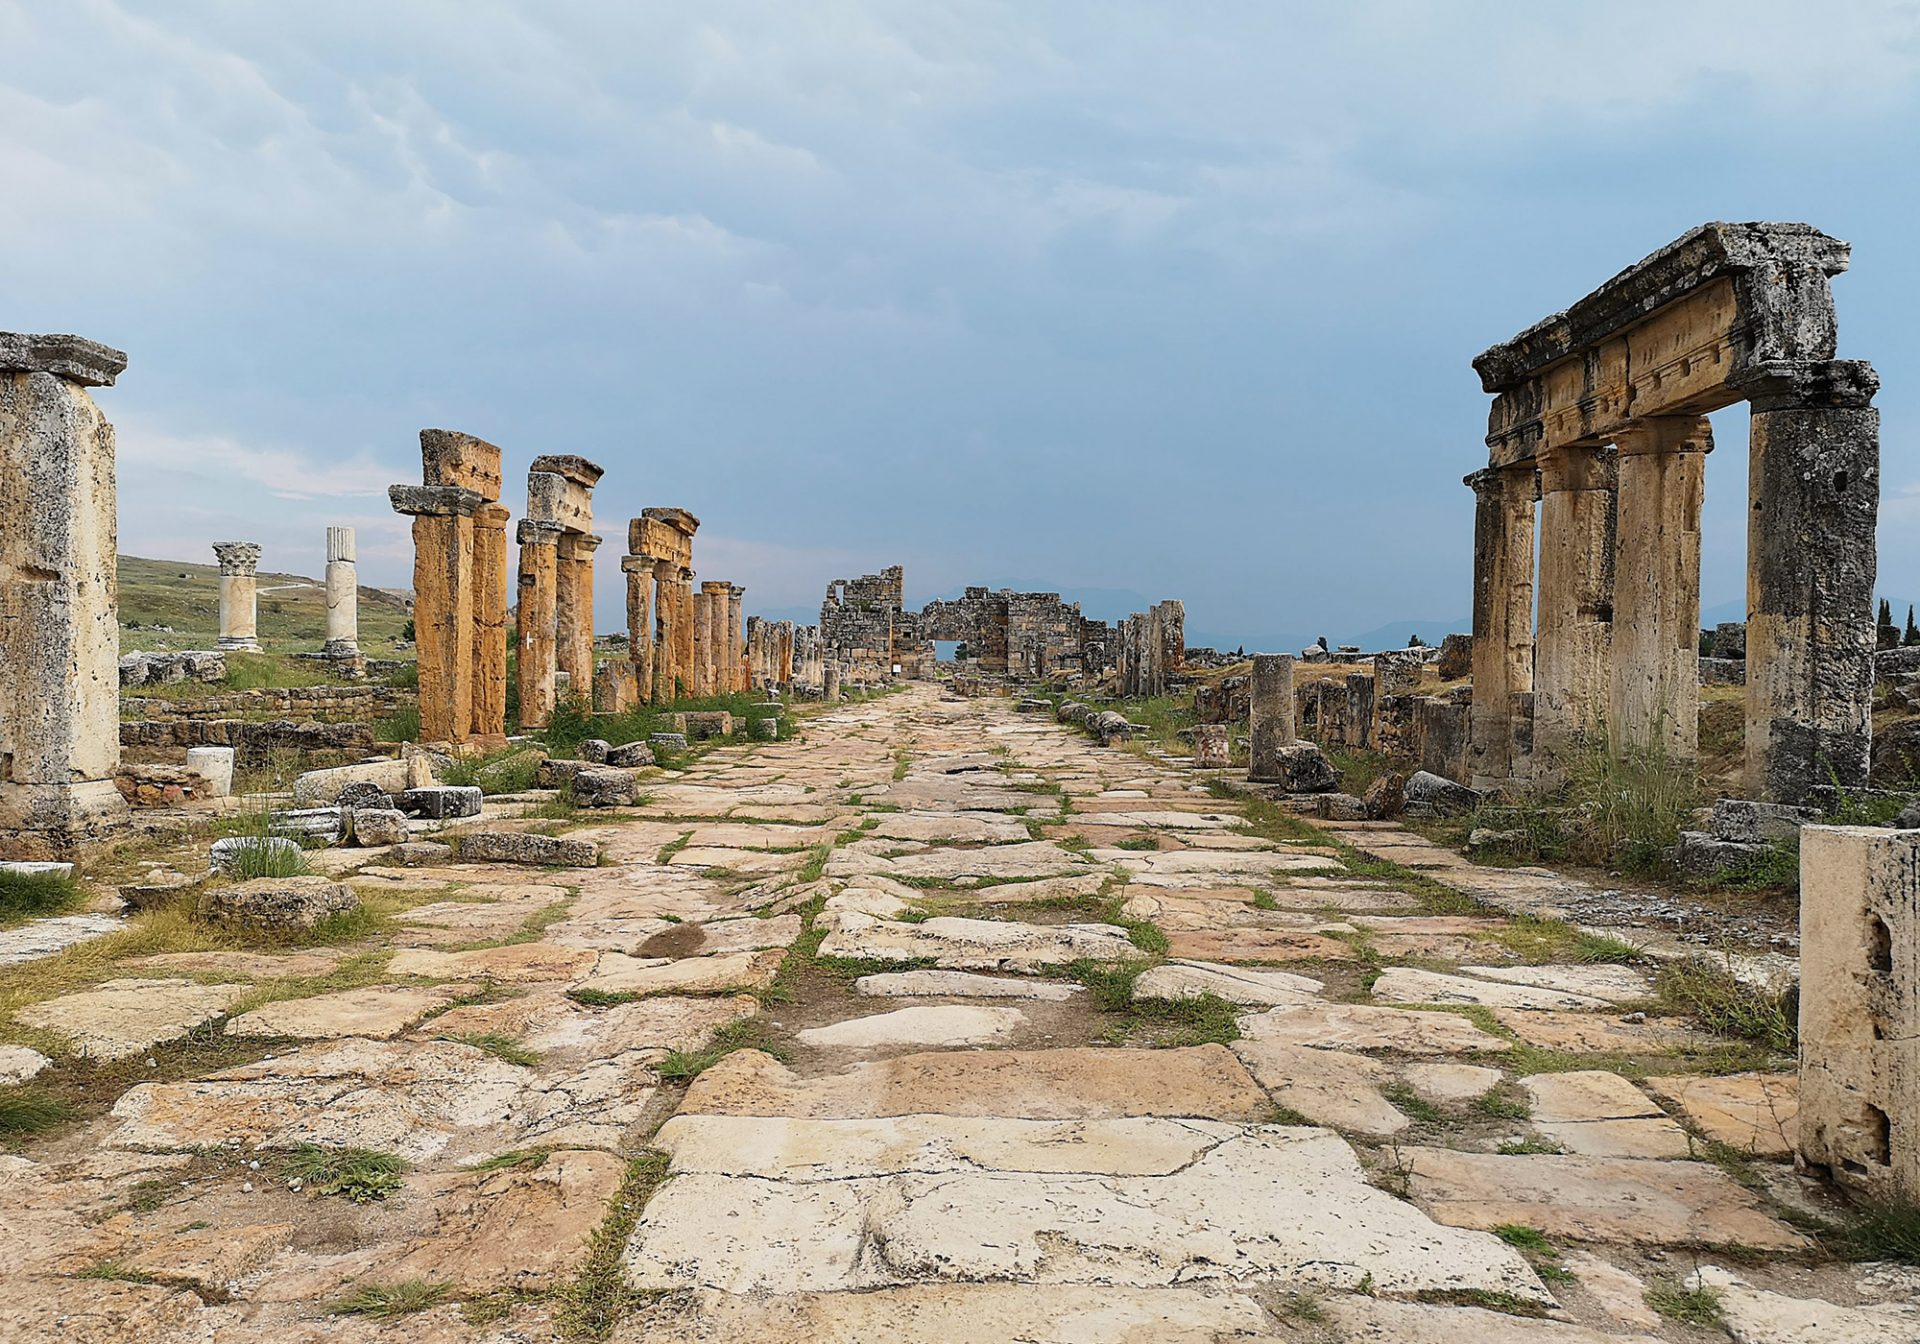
{"x": 237, "y": 557}
{"x": 492, "y": 516}
{"x": 440, "y": 501}
{"x": 340, "y": 544}
{"x": 1577, "y": 466}
{"x": 1665, "y": 434}
{"x": 637, "y": 564}
{"x": 1494, "y": 482}
{"x": 1826, "y": 383}
{"x": 536, "y": 532}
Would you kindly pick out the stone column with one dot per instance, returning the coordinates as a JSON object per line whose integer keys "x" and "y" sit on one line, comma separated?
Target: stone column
{"x": 1502, "y": 619}
{"x": 1655, "y": 698}
{"x": 442, "y": 604}
{"x": 736, "y": 650}
{"x": 1269, "y": 714}
{"x": 538, "y": 654}
{"x": 830, "y": 678}
{"x": 489, "y": 716}
{"x": 343, "y": 595}
{"x": 573, "y": 607}
{"x": 639, "y": 572}
{"x": 703, "y": 641}
{"x": 238, "y": 562}
{"x": 783, "y": 653}
{"x": 59, "y": 590}
{"x": 1572, "y": 678}
{"x": 673, "y": 654}
{"x": 1814, "y": 498}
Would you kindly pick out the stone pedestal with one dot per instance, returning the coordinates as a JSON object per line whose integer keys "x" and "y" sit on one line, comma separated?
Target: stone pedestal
{"x": 343, "y": 595}
{"x": 539, "y": 568}
{"x": 1572, "y": 676}
{"x": 1655, "y": 698}
{"x": 1270, "y": 714}
{"x": 59, "y": 587}
{"x": 239, "y": 560}
{"x": 1502, "y": 619}
{"x": 1859, "y": 1095}
{"x": 1814, "y": 486}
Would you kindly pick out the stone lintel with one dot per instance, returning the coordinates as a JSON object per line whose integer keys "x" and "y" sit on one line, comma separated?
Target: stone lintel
{"x": 657, "y": 539}
{"x": 237, "y": 557}
{"x": 551, "y": 497}
{"x": 678, "y": 519}
{"x": 1783, "y": 385}
{"x": 1666, "y": 434}
{"x": 638, "y": 564}
{"x": 1684, "y": 265}
{"x": 449, "y": 457}
{"x": 575, "y": 468}
{"x": 74, "y": 358}
{"x": 436, "y": 500}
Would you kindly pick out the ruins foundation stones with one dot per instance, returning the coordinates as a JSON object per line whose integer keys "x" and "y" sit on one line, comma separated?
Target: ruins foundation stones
{"x": 59, "y": 620}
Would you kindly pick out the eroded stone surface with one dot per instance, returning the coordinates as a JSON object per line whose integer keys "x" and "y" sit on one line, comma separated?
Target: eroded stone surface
{"x": 1235, "y": 984}
{"x": 962, "y": 985}
{"x": 123, "y": 1017}
{"x": 955, "y": 943}
{"x": 944, "y": 1025}
{"x": 1352, "y": 1026}
{"x": 1750, "y": 1112}
{"x": 378, "y": 1011}
{"x": 1327, "y": 1087}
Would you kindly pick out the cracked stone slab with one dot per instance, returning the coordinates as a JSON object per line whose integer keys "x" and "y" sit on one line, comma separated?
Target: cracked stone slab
{"x": 124, "y": 1017}
{"x": 378, "y": 1011}
{"x": 559, "y": 1028}
{"x": 243, "y": 965}
{"x": 1292, "y": 1207}
{"x": 1752, "y": 1112}
{"x": 1755, "y": 1316}
{"x": 618, "y": 974}
{"x": 1180, "y": 867}
{"x": 1402, "y": 984}
{"x": 45, "y": 937}
{"x": 1235, "y": 984}
{"x": 1595, "y": 1198}
{"x": 515, "y": 963}
{"x": 742, "y": 933}
{"x": 1365, "y": 1320}
{"x": 956, "y": 943}
{"x": 962, "y": 985}
{"x": 945, "y": 1313}
{"x": 1257, "y": 945}
{"x": 1597, "y": 1033}
{"x": 1034, "y": 858}
{"x": 950, "y": 1025}
{"x": 1614, "y": 984}
{"x": 1450, "y": 1084}
{"x": 950, "y": 826}
{"x": 1601, "y": 1114}
{"x": 1328, "y": 1087}
{"x": 1355, "y": 1026}
{"x": 1073, "y": 1084}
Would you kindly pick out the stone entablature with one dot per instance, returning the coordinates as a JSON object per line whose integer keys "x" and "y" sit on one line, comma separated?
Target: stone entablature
{"x": 681, "y": 642}
{"x": 59, "y": 590}
{"x": 1598, "y": 414}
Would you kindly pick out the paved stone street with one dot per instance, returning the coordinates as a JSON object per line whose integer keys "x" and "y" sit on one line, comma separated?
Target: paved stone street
{"x": 938, "y": 1022}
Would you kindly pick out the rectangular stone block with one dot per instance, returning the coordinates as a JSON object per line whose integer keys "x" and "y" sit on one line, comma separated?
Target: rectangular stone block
{"x": 449, "y": 457}
{"x": 1860, "y": 1007}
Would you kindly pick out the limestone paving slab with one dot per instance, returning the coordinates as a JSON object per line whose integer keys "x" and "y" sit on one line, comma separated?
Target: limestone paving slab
{"x": 947, "y": 1313}
{"x": 1404, "y": 984}
{"x": 1219, "y": 945}
{"x": 514, "y": 963}
{"x": 741, "y": 933}
{"x": 1630, "y": 1200}
{"x": 1235, "y": 984}
{"x": 1290, "y": 1207}
{"x": 1752, "y": 1112}
{"x": 19, "y": 1064}
{"x": 1598, "y": 1033}
{"x": 618, "y": 974}
{"x": 950, "y": 826}
{"x": 1353, "y": 1026}
{"x": 1328, "y": 1087}
{"x": 948, "y": 1025}
{"x": 956, "y": 943}
{"x": 45, "y": 937}
{"x": 1614, "y": 984}
{"x": 1072, "y": 1084}
{"x": 962, "y": 985}
{"x": 1756, "y": 1316}
{"x": 1364, "y": 1320}
{"x": 378, "y": 1011}
{"x": 1450, "y": 1084}
{"x": 245, "y": 965}
{"x": 1034, "y": 858}
{"x": 1601, "y": 1114}
{"x": 119, "y": 1018}
{"x": 552, "y": 1023}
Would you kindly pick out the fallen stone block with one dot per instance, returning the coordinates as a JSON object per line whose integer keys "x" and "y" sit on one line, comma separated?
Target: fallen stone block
{"x": 554, "y": 773}
{"x": 631, "y": 755}
{"x": 442, "y": 802}
{"x": 594, "y": 750}
{"x": 215, "y": 765}
{"x": 706, "y": 723}
{"x": 421, "y": 854}
{"x": 1702, "y": 855}
{"x": 604, "y": 786}
{"x": 1746, "y": 821}
{"x": 540, "y": 851}
{"x": 767, "y": 730}
{"x": 1429, "y": 795}
{"x": 669, "y": 741}
{"x": 278, "y": 904}
{"x": 1302, "y": 768}
{"x": 321, "y": 825}
{"x": 155, "y": 888}
{"x": 316, "y": 788}
{"x": 373, "y": 826}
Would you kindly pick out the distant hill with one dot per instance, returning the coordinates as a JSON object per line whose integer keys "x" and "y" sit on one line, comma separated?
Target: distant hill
{"x": 292, "y": 609}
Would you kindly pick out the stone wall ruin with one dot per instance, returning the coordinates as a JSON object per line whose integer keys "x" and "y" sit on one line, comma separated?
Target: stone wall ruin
{"x": 1598, "y": 413}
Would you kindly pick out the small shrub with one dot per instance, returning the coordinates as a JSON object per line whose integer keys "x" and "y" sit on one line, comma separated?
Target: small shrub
{"x": 358, "y": 1175}
{"x": 1632, "y": 804}
{"x": 259, "y": 859}
{"x": 405, "y": 677}
{"x": 1883, "y": 1231}
{"x": 403, "y": 725}
{"x": 391, "y": 1299}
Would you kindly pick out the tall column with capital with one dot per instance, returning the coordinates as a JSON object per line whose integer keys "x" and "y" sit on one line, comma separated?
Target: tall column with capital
{"x": 539, "y": 583}
{"x": 343, "y": 595}
{"x": 239, "y": 560}
{"x": 639, "y": 573}
{"x": 489, "y": 716}
{"x": 1813, "y": 492}
{"x": 1502, "y": 620}
{"x": 1572, "y": 671}
{"x": 1655, "y": 699}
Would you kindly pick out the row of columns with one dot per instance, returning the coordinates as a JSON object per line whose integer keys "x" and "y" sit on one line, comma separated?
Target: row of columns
{"x": 239, "y": 563}
{"x": 1619, "y": 591}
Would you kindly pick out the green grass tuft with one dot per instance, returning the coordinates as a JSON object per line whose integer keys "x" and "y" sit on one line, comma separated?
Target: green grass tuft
{"x": 1689, "y": 1306}
{"x": 31, "y": 895}
{"x": 359, "y": 1175}
{"x": 382, "y": 1300}
{"x": 28, "y": 1110}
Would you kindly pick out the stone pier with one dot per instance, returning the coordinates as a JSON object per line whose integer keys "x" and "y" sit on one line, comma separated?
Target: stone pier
{"x": 1605, "y": 401}
{"x": 457, "y": 570}
{"x": 1270, "y": 714}
{"x": 1859, "y": 1117}
{"x": 343, "y": 595}
{"x": 239, "y": 561}
{"x": 660, "y": 631}
{"x": 59, "y": 590}
{"x": 555, "y": 614}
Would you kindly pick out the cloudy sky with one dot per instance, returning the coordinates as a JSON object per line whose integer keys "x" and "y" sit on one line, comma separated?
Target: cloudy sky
{"x": 1172, "y": 298}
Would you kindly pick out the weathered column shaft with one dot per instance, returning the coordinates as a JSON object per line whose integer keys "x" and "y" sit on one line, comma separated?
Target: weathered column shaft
{"x": 1655, "y": 698}
{"x": 1814, "y": 499}
{"x": 673, "y": 653}
{"x": 736, "y": 654}
{"x": 343, "y": 593}
{"x": 59, "y": 587}
{"x": 683, "y": 645}
{"x": 538, "y": 654}
{"x": 443, "y": 623}
{"x": 1502, "y": 618}
{"x": 703, "y": 642}
{"x": 238, "y": 608}
{"x": 1572, "y": 681}
{"x": 489, "y": 716}
{"x": 573, "y": 607}
{"x": 1269, "y": 713}
{"x": 639, "y": 572}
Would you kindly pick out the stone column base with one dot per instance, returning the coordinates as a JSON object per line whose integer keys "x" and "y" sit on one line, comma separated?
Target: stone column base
{"x": 241, "y": 645}
{"x": 340, "y": 648}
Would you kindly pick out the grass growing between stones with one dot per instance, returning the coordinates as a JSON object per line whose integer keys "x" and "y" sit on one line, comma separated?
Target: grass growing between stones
{"x": 383, "y": 1300}
{"x": 500, "y": 1047}
{"x": 594, "y": 1303}
{"x": 1688, "y": 1306}
{"x": 1554, "y": 940}
{"x": 748, "y": 1033}
{"x": 508, "y": 771}
{"x": 25, "y": 896}
{"x": 1711, "y": 995}
{"x": 1882, "y": 1231}
{"x": 1171, "y": 1023}
{"x": 358, "y": 1175}
{"x": 30, "y": 1110}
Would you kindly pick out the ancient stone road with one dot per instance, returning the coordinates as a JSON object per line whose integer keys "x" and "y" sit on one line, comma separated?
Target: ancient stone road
{"x": 959, "y": 1108}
